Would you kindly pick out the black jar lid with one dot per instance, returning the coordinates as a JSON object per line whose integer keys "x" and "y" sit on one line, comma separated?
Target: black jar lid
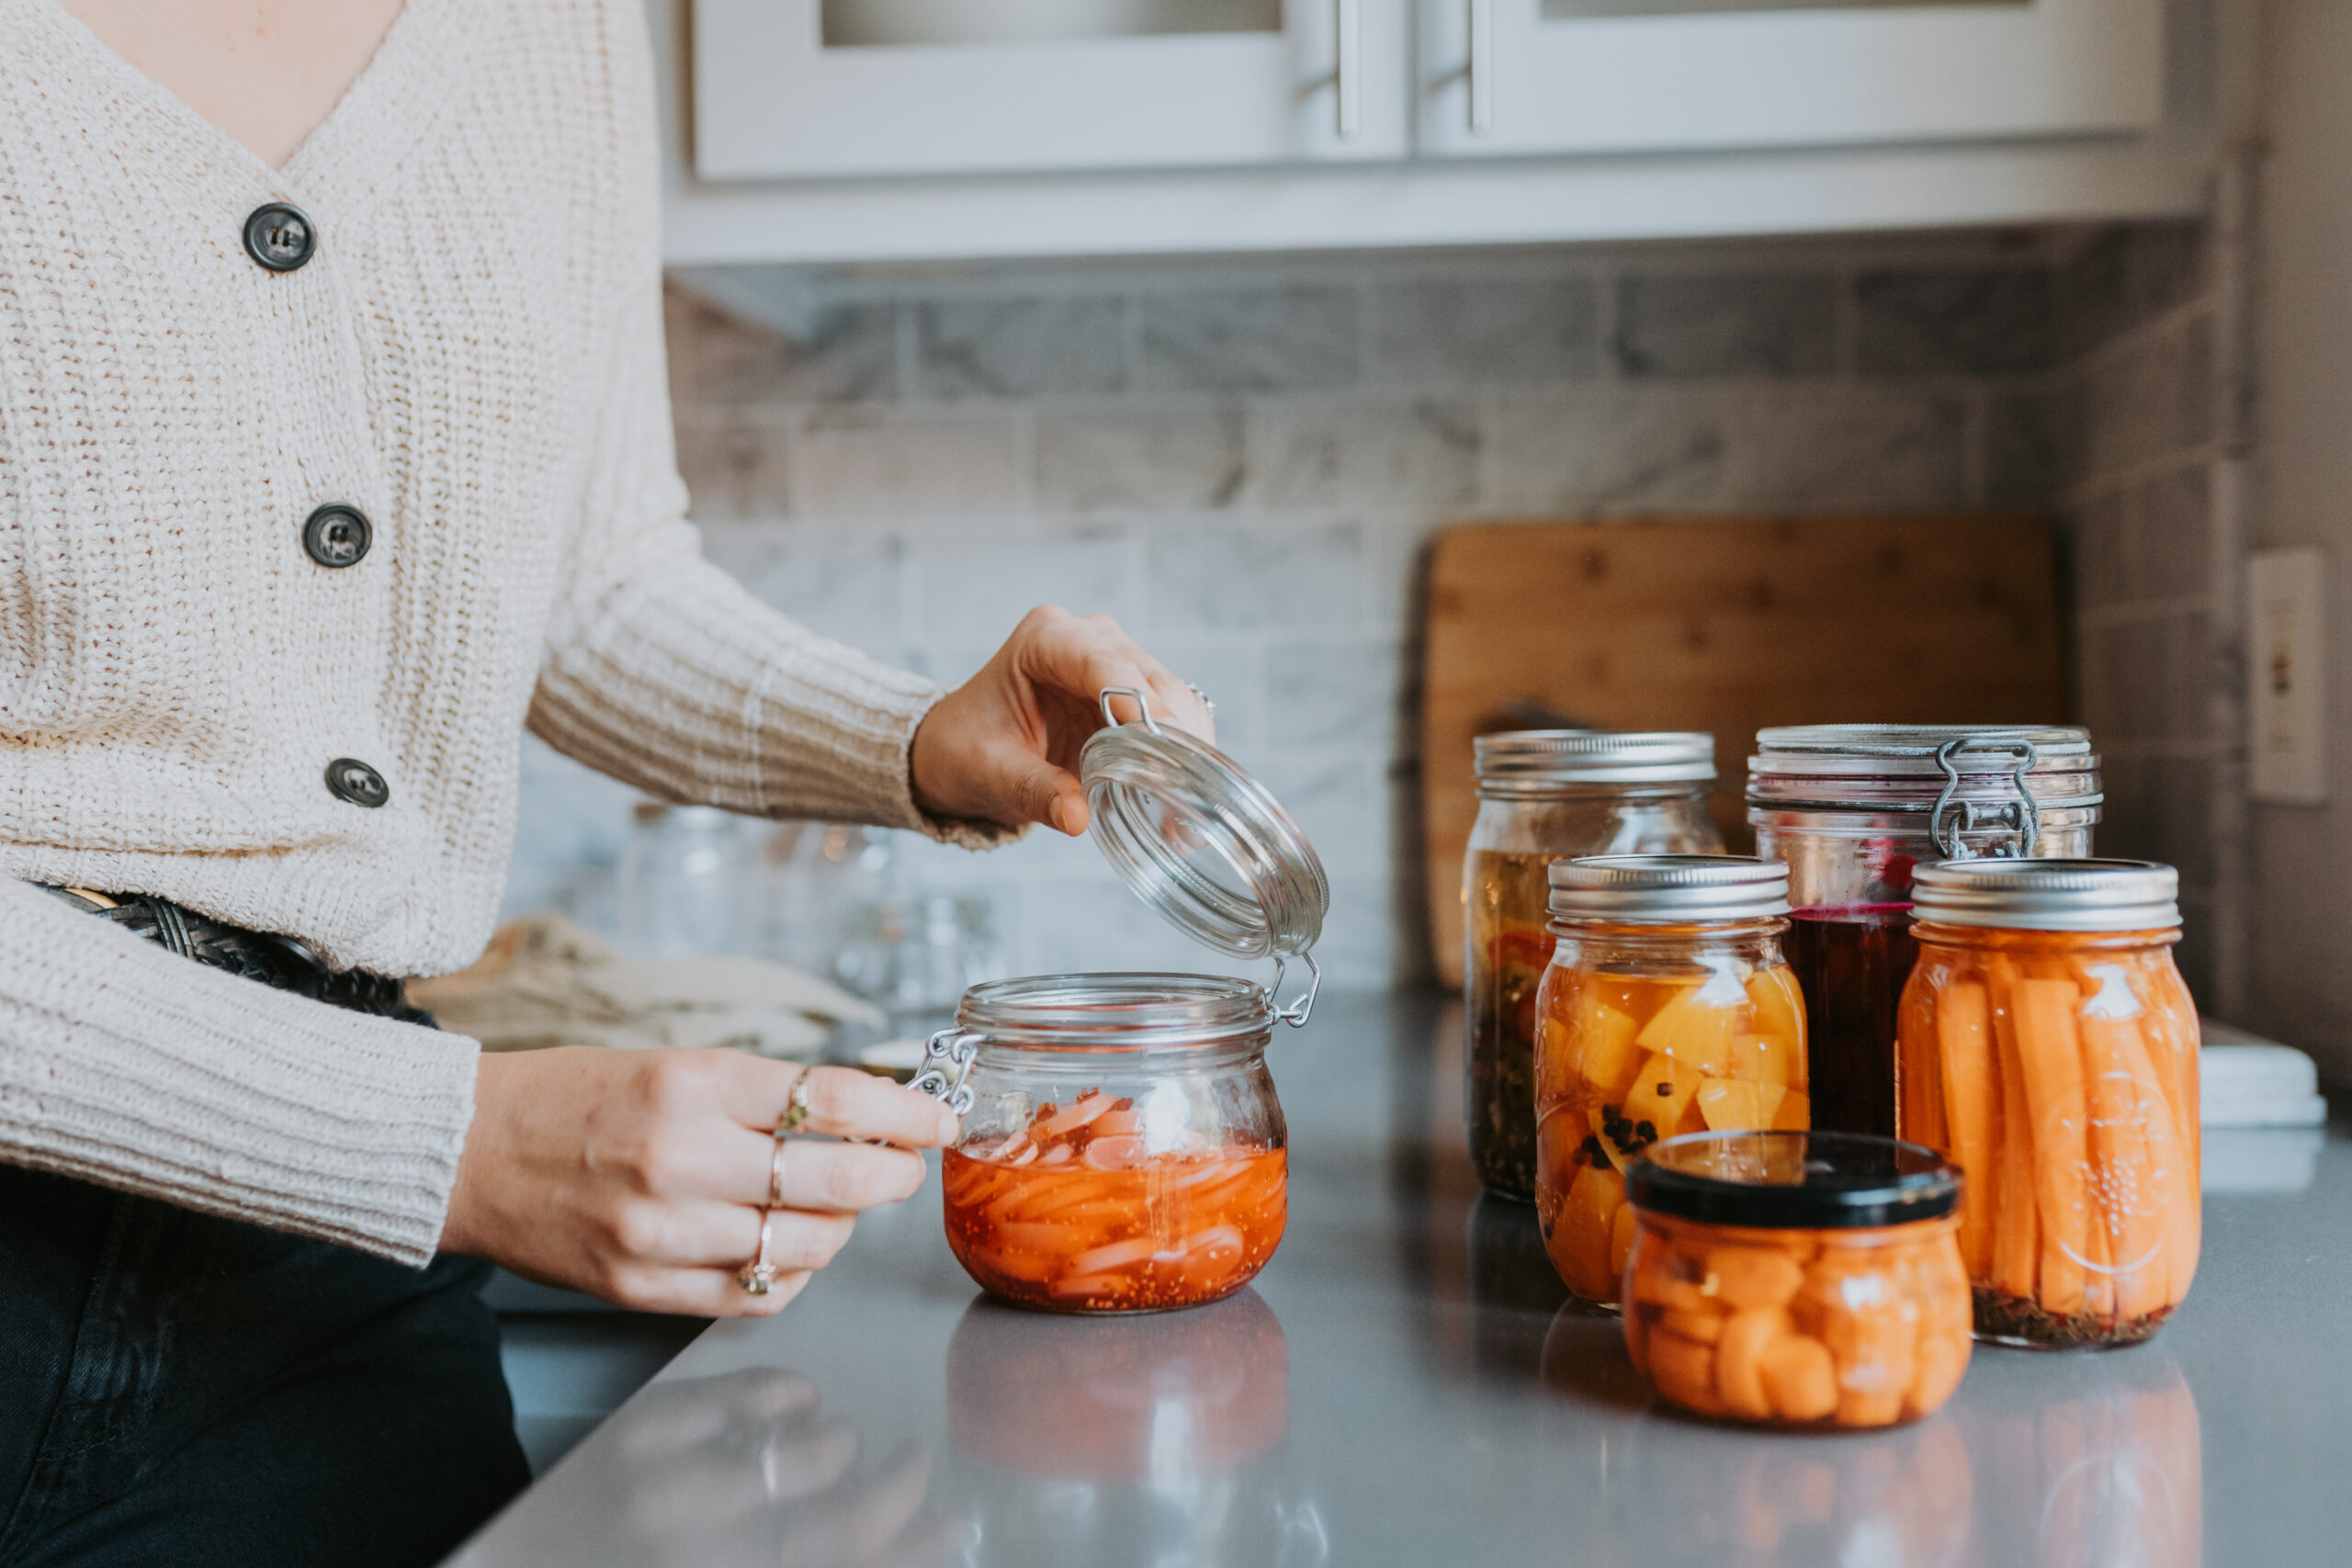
{"x": 1794, "y": 1180}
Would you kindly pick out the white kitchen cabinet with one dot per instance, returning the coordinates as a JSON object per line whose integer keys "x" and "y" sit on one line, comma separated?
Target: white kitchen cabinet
{"x": 970, "y": 129}
{"x": 1503, "y": 77}
{"x": 813, "y": 89}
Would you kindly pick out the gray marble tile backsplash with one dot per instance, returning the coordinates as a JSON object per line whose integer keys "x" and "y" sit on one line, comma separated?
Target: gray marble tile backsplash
{"x": 1241, "y": 458}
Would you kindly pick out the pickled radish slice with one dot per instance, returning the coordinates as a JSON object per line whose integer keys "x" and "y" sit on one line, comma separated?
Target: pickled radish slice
{"x": 1081, "y": 1111}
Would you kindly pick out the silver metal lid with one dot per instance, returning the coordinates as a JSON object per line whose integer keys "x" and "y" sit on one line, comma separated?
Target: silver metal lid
{"x": 1669, "y": 888}
{"x": 1542, "y": 757}
{"x": 1202, "y": 843}
{"x": 2049, "y": 894}
{"x": 1968, "y": 780}
{"x": 1880, "y": 750}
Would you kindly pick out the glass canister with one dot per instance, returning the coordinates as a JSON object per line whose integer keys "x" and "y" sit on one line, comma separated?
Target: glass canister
{"x": 1851, "y": 808}
{"x": 1544, "y": 795}
{"x": 1797, "y": 1278}
{"x": 1122, "y": 1148}
{"x": 2049, "y": 1047}
{"x": 1668, "y": 1009}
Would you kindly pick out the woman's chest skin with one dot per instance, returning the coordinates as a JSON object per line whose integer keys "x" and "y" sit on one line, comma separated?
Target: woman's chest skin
{"x": 264, "y": 71}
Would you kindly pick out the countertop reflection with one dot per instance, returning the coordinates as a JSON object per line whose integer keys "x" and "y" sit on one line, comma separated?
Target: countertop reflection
{"x": 1406, "y": 1383}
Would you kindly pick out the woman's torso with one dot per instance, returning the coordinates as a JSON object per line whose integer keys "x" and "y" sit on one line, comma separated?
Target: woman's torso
{"x": 176, "y": 671}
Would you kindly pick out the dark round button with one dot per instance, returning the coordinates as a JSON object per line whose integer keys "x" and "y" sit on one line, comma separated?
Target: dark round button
{"x": 279, "y": 237}
{"x": 336, "y": 536}
{"x": 356, "y": 782}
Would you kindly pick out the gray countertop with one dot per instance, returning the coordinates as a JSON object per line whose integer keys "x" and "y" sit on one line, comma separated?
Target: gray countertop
{"x": 1402, "y": 1385}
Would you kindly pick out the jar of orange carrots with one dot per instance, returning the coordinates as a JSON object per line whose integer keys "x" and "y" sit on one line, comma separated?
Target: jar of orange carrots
{"x": 1122, "y": 1147}
{"x": 1668, "y": 1009}
{"x": 2046, "y": 1042}
{"x": 1797, "y": 1278}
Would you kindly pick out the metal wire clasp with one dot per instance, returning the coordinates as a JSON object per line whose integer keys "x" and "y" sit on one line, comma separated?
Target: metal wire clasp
{"x": 1296, "y": 1014}
{"x": 1954, "y": 819}
{"x": 1142, "y": 702}
{"x": 950, "y": 1048}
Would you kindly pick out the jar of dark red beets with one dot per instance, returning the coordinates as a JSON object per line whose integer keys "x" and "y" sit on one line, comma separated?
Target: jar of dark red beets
{"x": 1851, "y": 808}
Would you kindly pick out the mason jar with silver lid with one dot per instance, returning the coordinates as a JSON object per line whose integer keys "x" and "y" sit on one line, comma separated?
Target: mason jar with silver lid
{"x": 1852, "y": 808}
{"x": 1122, "y": 1147}
{"x": 1668, "y": 1009}
{"x": 1544, "y": 795}
{"x": 2048, "y": 1046}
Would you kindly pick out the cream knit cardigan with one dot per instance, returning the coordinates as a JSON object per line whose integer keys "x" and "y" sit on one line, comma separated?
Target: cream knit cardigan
{"x": 473, "y": 358}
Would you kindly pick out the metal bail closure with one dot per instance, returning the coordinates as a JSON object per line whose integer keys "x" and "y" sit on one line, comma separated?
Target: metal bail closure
{"x": 1296, "y": 1014}
{"x": 950, "y": 1048}
{"x": 1952, "y": 817}
{"x": 1201, "y": 841}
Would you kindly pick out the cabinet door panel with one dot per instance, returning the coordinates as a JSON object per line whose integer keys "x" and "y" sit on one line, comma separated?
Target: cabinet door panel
{"x": 816, "y": 88}
{"x": 1647, "y": 75}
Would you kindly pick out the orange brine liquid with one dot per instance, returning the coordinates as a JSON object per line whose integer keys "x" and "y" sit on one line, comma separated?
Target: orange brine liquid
{"x": 1072, "y": 1214}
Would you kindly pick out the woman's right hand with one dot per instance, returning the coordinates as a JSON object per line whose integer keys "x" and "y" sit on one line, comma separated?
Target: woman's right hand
{"x": 640, "y": 1175}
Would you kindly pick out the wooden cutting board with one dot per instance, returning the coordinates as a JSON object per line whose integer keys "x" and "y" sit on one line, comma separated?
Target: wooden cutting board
{"x": 1725, "y": 626}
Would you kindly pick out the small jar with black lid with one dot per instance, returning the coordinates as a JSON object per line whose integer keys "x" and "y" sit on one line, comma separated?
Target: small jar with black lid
{"x": 1797, "y": 1278}
{"x": 1668, "y": 1009}
{"x": 1545, "y": 794}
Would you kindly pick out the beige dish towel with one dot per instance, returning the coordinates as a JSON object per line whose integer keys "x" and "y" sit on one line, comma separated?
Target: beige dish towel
{"x": 546, "y": 981}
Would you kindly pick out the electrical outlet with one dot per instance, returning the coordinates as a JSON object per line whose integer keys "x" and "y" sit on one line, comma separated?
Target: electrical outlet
{"x": 2287, "y": 675}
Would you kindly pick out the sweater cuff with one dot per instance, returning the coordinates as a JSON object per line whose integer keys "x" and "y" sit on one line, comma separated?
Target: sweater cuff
{"x": 127, "y": 1065}
{"x": 965, "y": 832}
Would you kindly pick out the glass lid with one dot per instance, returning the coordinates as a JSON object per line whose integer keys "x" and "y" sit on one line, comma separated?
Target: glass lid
{"x": 1199, "y": 840}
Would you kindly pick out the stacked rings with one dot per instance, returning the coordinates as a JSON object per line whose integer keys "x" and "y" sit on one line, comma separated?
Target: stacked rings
{"x": 759, "y": 1274}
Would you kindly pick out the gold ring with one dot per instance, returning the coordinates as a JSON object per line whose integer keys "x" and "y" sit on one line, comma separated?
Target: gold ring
{"x": 759, "y": 1273}
{"x": 776, "y": 1170}
{"x": 796, "y": 1106}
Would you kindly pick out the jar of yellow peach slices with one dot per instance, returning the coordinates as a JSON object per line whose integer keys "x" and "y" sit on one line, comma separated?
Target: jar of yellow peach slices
{"x": 1666, "y": 1009}
{"x": 2046, "y": 1043}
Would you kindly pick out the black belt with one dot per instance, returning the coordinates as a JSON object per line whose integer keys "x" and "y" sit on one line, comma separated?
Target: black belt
{"x": 278, "y": 961}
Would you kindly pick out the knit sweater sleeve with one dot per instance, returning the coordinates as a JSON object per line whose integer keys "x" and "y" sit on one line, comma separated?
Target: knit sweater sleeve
{"x": 662, "y": 671}
{"x": 128, "y": 1066}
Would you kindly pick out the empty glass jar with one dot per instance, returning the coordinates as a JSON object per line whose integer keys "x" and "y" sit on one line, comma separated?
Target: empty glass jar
{"x": 1546, "y": 795}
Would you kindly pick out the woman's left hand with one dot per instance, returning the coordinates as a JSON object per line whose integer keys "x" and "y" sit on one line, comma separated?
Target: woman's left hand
{"x": 1004, "y": 746}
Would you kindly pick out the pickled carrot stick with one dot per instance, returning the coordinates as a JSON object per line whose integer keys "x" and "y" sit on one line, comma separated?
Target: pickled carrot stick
{"x": 2099, "y": 1292}
{"x": 2184, "y": 1218}
{"x": 2133, "y": 1181}
{"x": 2171, "y": 1045}
{"x": 2016, "y": 1237}
{"x": 2050, "y": 1056}
{"x": 1964, "y": 1043}
{"x": 2161, "y": 1055}
{"x": 1920, "y": 1112}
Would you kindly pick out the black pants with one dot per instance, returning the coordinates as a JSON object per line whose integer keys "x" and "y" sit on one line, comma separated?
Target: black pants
{"x": 185, "y": 1390}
